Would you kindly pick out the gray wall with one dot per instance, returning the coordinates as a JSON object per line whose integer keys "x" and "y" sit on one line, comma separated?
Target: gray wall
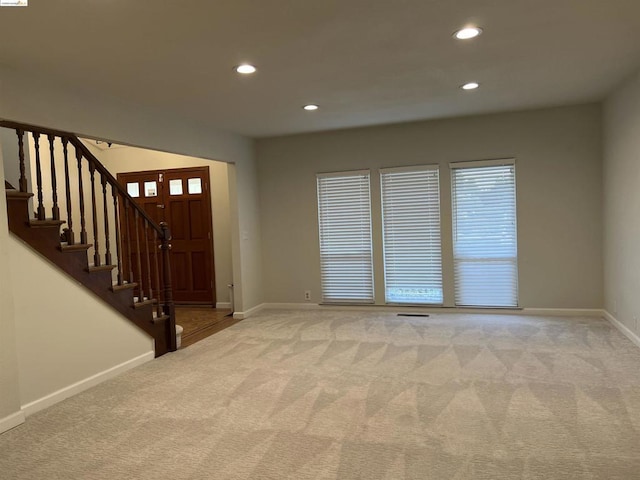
{"x": 10, "y": 414}
{"x": 621, "y": 171}
{"x": 559, "y": 194}
{"x": 9, "y": 142}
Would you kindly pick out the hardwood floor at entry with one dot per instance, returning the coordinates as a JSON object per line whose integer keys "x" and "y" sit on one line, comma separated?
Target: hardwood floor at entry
{"x": 200, "y": 322}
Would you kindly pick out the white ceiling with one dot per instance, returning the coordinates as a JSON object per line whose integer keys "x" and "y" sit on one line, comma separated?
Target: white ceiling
{"x": 364, "y": 62}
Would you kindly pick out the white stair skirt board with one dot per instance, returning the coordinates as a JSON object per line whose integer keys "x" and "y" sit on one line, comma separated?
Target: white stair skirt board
{"x": 12, "y": 421}
{"x": 626, "y": 331}
{"x": 66, "y": 392}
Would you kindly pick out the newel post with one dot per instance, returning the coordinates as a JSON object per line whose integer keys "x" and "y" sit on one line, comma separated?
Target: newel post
{"x": 168, "y": 307}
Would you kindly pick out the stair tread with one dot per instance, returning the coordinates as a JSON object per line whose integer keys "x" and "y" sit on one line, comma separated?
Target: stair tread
{"x": 124, "y": 286}
{"x": 48, "y": 222}
{"x": 75, "y": 247}
{"x": 100, "y": 268}
{"x": 160, "y": 319}
{"x": 143, "y": 303}
{"x": 16, "y": 195}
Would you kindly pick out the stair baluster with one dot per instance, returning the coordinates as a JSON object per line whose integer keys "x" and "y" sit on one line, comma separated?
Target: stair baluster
{"x": 138, "y": 259}
{"x": 116, "y": 215}
{"x": 65, "y": 148}
{"x": 129, "y": 255}
{"x": 83, "y": 221}
{"x": 96, "y": 244}
{"x": 155, "y": 261}
{"x": 40, "y": 212}
{"x": 23, "y": 176}
{"x": 146, "y": 251}
{"x": 55, "y": 210}
{"x": 107, "y": 242}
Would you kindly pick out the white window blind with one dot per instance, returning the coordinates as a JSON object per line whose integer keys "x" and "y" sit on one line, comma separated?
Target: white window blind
{"x": 484, "y": 234}
{"x": 344, "y": 218}
{"x": 411, "y": 234}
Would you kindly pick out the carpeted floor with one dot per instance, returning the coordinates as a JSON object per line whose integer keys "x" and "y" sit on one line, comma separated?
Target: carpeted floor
{"x": 352, "y": 395}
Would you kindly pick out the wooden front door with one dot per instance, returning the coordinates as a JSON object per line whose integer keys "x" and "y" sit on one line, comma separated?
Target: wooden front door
{"x": 181, "y": 197}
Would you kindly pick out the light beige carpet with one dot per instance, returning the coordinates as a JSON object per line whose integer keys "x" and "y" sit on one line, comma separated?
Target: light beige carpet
{"x": 351, "y": 395}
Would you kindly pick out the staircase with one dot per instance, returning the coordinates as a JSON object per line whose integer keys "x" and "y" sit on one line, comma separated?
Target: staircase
{"x": 130, "y": 266}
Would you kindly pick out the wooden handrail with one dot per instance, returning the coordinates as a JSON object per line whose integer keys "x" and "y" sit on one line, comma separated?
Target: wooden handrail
{"x": 35, "y": 129}
{"x": 99, "y": 167}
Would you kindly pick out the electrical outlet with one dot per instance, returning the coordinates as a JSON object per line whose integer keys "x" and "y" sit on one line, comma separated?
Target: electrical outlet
{"x": 307, "y": 295}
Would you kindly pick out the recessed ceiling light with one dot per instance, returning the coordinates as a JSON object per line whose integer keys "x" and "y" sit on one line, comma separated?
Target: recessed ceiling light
{"x": 470, "y": 86}
{"x": 311, "y": 107}
{"x": 467, "y": 33}
{"x": 245, "y": 69}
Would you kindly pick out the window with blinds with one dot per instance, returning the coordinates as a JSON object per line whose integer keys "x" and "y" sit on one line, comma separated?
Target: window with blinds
{"x": 344, "y": 218}
{"x": 484, "y": 233}
{"x": 411, "y": 235}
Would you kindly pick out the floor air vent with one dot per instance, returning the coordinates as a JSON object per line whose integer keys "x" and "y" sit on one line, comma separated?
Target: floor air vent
{"x": 412, "y": 315}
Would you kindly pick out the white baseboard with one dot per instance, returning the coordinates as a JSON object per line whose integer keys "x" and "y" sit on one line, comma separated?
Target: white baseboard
{"x": 556, "y": 312}
{"x": 292, "y": 306}
{"x": 622, "y": 327}
{"x": 563, "y": 312}
{"x": 248, "y": 313}
{"x": 66, "y": 392}
{"x": 263, "y": 306}
{"x": 12, "y": 421}
{"x": 223, "y": 304}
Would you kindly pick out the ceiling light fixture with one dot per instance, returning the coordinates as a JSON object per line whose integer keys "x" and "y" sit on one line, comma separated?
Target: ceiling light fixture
{"x": 311, "y": 107}
{"x": 245, "y": 69}
{"x": 470, "y": 86}
{"x": 467, "y": 33}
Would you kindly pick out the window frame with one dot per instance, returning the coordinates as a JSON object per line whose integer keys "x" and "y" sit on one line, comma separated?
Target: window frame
{"x": 350, "y": 296}
{"x": 389, "y": 224}
{"x": 459, "y": 302}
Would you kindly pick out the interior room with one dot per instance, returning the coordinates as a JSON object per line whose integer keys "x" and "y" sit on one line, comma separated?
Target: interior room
{"x": 421, "y": 220}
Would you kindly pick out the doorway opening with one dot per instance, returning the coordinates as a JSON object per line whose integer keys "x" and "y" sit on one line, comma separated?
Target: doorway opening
{"x": 194, "y": 201}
